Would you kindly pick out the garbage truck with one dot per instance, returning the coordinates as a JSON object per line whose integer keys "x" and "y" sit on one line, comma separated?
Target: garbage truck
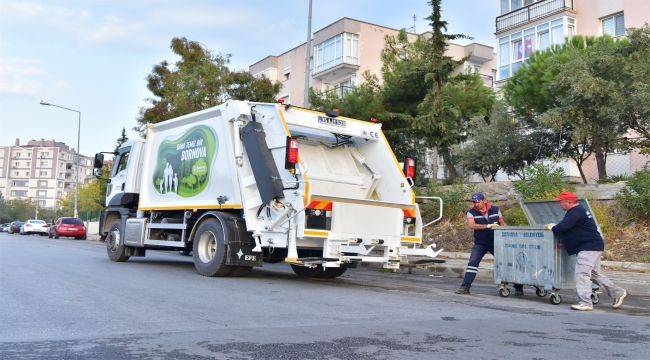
{"x": 244, "y": 183}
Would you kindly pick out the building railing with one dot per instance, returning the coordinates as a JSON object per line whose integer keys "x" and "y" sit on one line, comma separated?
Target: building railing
{"x": 534, "y": 11}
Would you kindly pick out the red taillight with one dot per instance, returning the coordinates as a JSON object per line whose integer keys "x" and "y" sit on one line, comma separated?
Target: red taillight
{"x": 280, "y": 101}
{"x": 409, "y": 167}
{"x": 291, "y": 157}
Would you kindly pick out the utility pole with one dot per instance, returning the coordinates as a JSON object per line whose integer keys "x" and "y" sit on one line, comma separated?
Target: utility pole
{"x": 308, "y": 57}
{"x": 77, "y": 156}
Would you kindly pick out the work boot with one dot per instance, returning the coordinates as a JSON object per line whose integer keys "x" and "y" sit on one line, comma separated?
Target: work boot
{"x": 619, "y": 300}
{"x": 463, "y": 290}
{"x": 581, "y": 307}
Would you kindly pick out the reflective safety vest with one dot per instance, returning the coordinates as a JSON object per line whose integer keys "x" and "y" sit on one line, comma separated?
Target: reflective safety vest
{"x": 484, "y": 236}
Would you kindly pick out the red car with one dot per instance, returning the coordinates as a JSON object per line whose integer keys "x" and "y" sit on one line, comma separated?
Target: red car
{"x": 70, "y": 227}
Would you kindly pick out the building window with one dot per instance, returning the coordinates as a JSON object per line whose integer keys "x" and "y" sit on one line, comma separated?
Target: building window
{"x": 19, "y": 183}
{"x": 614, "y": 25}
{"x": 336, "y": 50}
{"x": 515, "y": 4}
{"x": 41, "y": 203}
{"x": 529, "y": 42}
{"x": 557, "y": 32}
{"x": 504, "y": 58}
{"x": 42, "y": 173}
{"x": 27, "y": 173}
{"x": 18, "y": 192}
{"x": 42, "y": 183}
{"x": 505, "y": 6}
{"x": 516, "y": 48}
{"x": 41, "y": 193}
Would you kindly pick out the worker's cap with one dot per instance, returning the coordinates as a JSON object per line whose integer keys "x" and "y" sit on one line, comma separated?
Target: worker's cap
{"x": 567, "y": 195}
{"x": 478, "y": 197}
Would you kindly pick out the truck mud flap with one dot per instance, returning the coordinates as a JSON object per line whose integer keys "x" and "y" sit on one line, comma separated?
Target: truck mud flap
{"x": 240, "y": 244}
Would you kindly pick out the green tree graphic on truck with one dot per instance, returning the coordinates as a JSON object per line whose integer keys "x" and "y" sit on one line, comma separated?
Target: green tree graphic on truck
{"x": 183, "y": 165}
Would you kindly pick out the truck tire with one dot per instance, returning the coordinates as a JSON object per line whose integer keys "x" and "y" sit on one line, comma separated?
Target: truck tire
{"x": 115, "y": 242}
{"x": 318, "y": 272}
{"x": 209, "y": 249}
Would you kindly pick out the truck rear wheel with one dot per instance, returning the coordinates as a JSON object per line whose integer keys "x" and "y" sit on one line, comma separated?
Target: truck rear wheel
{"x": 115, "y": 242}
{"x": 318, "y": 272}
{"x": 209, "y": 249}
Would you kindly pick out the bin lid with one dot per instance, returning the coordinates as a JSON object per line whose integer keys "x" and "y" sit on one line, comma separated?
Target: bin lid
{"x": 547, "y": 211}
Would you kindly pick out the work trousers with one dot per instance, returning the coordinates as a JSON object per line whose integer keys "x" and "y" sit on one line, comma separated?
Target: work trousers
{"x": 588, "y": 269}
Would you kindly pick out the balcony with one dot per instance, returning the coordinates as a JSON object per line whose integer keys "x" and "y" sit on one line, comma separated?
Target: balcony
{"x": 532, "y": 12}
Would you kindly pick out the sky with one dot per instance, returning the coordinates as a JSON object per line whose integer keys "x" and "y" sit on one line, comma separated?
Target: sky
{"x": 94, "y": 55}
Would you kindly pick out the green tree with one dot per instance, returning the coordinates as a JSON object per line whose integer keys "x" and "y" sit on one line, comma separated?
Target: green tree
{"x": 242, "y": 85}
{"x": 121, "y": 140}
{"x": 512, "y": 146}
{"x": 579, "y": 92}
{"x": 637, "y": 99}
{"x": 427, "y": 102}
{"x": 464, "y": 101}
{"x": 90, "y": 200}
{"x": 198, "y": 80}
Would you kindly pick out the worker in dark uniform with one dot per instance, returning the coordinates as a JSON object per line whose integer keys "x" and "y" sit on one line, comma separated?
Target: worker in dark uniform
{"x": 580, "y": 236}
{"x": 483, "y": 217}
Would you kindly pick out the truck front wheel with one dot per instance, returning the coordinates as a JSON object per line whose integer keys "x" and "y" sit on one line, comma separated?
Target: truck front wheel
{"x": 209, "y": 249}
{"x": 318, "y": 272}
{"x": 115, "y": 243}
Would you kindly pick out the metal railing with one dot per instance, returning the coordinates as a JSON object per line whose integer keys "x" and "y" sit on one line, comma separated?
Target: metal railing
{"x": 534, "y": 11}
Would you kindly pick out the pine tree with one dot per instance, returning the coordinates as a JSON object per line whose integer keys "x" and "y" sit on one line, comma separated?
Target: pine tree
{"x": 438, "y": 70}
{"x": 121, "y": 140}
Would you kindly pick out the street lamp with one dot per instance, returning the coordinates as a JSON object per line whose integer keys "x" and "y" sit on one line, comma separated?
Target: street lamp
{"x": 76, "y": 180}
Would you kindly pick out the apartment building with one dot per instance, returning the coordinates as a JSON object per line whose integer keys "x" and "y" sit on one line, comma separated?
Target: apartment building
{"x": 343, "y": 51}
{"x": 526, "y": 26}
{"x": 41, "y": 170}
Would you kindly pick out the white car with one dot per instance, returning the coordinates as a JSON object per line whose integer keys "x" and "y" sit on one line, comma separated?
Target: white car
{"x": 33, "y": 226}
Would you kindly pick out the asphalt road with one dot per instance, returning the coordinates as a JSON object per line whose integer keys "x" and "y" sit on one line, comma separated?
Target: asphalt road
{"x": 63, "y": 299}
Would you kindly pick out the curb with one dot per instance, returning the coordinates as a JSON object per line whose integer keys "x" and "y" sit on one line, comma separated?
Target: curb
{"x": 622, "y": 265}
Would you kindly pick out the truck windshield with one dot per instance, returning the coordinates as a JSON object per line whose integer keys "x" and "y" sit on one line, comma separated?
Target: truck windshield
{"x": 120, "y": 163}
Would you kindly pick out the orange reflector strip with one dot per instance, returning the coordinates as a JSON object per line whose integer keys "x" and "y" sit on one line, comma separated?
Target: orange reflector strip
{"x": 409, "y": 212}
{"x": 320, "y": 205}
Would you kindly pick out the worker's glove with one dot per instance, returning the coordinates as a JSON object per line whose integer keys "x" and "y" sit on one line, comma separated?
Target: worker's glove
{"x": 492, "y": 226}
{"x": 549, "y": 226}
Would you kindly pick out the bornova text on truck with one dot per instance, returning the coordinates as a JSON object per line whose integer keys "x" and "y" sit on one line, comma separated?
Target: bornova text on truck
{"x": 244, "y": 182}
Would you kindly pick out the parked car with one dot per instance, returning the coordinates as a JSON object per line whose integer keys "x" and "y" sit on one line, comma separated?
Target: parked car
{"x": 68, "y": 226}
{"x": 34, "y": 226}
{"x": 5, "y": 227}
{"x": 14, "y": 227}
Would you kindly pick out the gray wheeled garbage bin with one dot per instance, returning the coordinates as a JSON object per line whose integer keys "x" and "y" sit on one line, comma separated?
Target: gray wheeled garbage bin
{"x": 532, "y": 255}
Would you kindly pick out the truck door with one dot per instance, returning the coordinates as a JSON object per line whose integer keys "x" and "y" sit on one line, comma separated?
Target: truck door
{"x": 118, "y": 174}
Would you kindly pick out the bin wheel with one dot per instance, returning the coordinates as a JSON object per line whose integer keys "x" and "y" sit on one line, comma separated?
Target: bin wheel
{"x": 540, "y": 292}
{"x": 555, "y": 299}
{"x": 594, "y": 298}
{"x": 504, "y": 292}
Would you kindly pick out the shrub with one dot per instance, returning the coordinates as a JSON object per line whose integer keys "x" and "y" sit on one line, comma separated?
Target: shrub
{"x": 515, "y": 216}
{"x": 635, "y": 196}
{"x": 542, "y": 182}
{"x": 454, "y": 197}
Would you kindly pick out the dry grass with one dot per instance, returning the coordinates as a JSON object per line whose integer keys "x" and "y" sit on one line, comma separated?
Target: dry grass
{"x": 452, "y": 235}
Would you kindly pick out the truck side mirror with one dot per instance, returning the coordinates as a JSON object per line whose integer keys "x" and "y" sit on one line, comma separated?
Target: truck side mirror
{"x": 99, "y": 161}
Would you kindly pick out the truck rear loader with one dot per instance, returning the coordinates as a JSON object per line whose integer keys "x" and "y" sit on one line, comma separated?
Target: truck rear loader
{"x": 244, "y": 183}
